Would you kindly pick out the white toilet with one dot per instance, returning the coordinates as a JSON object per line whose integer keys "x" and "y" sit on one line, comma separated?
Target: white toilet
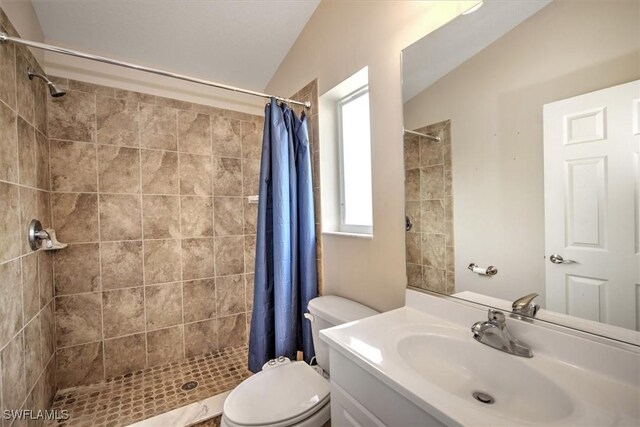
{"x": 289, "y": 393}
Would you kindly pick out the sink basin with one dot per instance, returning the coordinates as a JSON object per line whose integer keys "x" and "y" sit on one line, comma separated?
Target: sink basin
{"x": 461, "y": 366}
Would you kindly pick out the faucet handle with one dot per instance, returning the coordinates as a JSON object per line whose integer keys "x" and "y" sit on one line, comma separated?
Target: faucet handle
{"x": 524, "y": 305}
{"x": 495, "y": 316}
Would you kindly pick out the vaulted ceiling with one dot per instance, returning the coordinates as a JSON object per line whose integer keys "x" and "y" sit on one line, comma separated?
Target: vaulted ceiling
{"x": 241, "y": 43}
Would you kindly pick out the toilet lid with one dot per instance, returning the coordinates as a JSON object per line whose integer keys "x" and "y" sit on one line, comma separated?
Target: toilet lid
{"x": 276, "y": 395}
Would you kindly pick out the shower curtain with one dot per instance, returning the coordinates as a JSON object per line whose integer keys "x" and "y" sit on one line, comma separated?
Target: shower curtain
{"x": 285, "y": 271}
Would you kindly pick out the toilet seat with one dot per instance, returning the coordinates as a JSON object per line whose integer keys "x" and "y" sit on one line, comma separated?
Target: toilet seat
{"x": 280, "y": 396}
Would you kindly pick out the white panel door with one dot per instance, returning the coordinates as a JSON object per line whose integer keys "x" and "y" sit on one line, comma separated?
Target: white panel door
{"x": 592, "y": 218}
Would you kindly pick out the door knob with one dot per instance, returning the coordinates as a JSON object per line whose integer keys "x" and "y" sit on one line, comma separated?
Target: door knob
{"x": 557, "y": 259}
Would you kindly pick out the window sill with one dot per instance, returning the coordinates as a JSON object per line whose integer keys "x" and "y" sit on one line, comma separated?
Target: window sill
{"x": 344, "y": 234}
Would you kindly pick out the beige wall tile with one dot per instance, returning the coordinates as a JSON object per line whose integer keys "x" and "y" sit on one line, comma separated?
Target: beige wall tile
{"x": 78, "y": 319}
{"x": 11, "y": 301}
{"x": 414, "y": 250}
{"x": 412, "y": 210}
{"x": 158, "y": 127}
{"x": 163, "y": 304}
{"x": 195, "y": 175}
{"x": 79, "y": 365}
{"x": 72, "y": 117}
{"x": 123, "y": 312}
{"x": 431, "y": 152}
{"x": 8, "y": 139}
{"x": 249, "y": 253}
{"x": 77, "y": 269}
{"x": 228, "y": 216}
{"x": 432, "y": 183}
{"x": 411, "y": 152}
{"x": 90, "y": 88}
{"x": 8, "y": 72}
{"x": 42, "y": 162}
{"x": 13, "y": 380}
{"x": 433, "y": 250}
{"x": 412, "y": 184}
{"x": 32, "y": 352}
{"x": 43, "y": 208}
{"x": 73, "y": 166}
{"x": 230, "y": 295}
{"x": 414, "y": 275}
{"x": 227, "y": 176}
{"x": 120, "y": 217}
{"x": 200, "y": 337}
{"x": 232, "y": 331}
{"x": 24, "y": 87}
{"x": 197, "y": 216}
{"x": 197, "y": 258}
{"x": 117, "y": 122}
{"x": 250, "y": 177}
{"x": 123, "y": 355}
{"x": 434, "y": 279}
{"x": 199, "y": 300}
{"x": 48, "y": 330}
{"x": 194, "y": 133}
{"x": 135, "y": 96}
{"x": 45, "y": 277}
{"x": 161, "y": 217}
{"x": 121, "y": 264}
{"x": 159, "y": 172}
{"x": 10, "y": 236}
{"x": 226, "y": 137}
{"x": 28, "y": 211}
{"x": 249, "y": 285}
{"x": 229, "y": 255}
{"x": 161, "y": 261}
{"x": 165, "y": 345}
{"x": 41, "y": 94}
{"x": 75, "y": 217}
{"x": 30, "y": 287}
{"x": 432, "y": 216}
{"x": 26, "y": 153}
{"x": 250, "y": 216}
{"x": 118, "y": 169}
{"x": 251, "y": 139}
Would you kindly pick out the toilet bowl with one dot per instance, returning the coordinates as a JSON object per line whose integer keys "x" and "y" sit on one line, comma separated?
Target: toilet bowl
{"x": 293, "y": 393}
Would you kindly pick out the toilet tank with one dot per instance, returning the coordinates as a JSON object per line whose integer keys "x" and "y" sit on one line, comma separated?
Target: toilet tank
{"x": 328, "y": 311}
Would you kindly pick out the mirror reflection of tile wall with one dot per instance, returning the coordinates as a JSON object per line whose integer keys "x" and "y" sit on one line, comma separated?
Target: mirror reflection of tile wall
{"x": 429, "y": 207}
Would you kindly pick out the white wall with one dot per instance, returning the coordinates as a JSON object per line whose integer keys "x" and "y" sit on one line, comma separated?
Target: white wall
{"x": 24, "y": 19}
{"x": 341, "y": 38}
{"x": 494, "y": 101}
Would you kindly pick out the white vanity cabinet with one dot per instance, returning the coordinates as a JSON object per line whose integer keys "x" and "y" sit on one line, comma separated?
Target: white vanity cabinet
{"x": 359, "y": 399}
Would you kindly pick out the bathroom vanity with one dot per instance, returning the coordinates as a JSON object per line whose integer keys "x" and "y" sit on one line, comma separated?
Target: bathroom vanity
{"x": 419, "y": 365}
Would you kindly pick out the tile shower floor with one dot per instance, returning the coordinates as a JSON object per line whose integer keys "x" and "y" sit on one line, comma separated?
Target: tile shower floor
{"x": 127, "y": 399}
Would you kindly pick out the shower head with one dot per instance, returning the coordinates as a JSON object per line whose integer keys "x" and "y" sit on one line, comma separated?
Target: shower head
{"x": 54, "y": 90}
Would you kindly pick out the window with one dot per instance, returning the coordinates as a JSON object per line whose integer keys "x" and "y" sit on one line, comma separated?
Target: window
{"x": 355, "y": 162}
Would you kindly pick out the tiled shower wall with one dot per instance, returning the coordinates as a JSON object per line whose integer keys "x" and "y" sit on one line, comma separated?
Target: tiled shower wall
{"x": 151, "y": 194}
{"x": 429, "y": 206}
{"x": 26, "y": 291}
{"x": 310, "y": 93}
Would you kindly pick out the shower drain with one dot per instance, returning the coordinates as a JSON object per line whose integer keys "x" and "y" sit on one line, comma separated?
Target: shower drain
{"x": 189, "y": 385}
{"x": 483, "y": 397}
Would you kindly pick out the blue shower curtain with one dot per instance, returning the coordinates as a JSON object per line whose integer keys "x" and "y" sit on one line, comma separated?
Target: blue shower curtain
{"x": 285, "y": 272}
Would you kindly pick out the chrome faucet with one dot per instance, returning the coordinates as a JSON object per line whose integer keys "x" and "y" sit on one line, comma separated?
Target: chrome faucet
{"x": 524, "y": 306}
{"x": 494, "y": 333}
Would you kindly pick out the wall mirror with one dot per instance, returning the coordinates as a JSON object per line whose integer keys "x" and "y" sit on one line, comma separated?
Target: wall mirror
{"x": 522, "y": 153}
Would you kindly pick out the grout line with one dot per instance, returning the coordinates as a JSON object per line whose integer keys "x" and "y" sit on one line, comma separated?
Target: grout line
{"x": 144, "y": 277}
{"x": 184, "y": 343}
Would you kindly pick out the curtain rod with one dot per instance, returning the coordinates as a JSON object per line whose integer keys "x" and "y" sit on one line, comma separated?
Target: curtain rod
{"x": 424, "y": 135}
{"x": 4, "y": 37}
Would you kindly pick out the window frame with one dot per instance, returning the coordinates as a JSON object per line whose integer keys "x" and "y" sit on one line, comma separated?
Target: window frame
{"x": 343, "y": 227}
